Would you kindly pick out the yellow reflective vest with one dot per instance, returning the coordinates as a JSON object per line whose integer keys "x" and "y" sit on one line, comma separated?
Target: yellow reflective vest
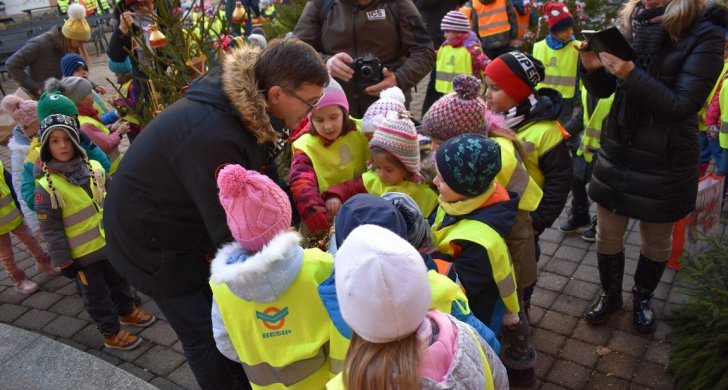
{"x": 343, "y": 160}
{"x": 115, "y": 155}
{"x": 591, "y": 139}
{"x": 492, "y": 18}
{"x": 514, "y": 176}
{"x": 62, "y": 5}
{"x": 703, "y": 111}
{"x": 561, "y": 67}
{"x": 129, "y": 116}
{"x": 282, "y": 344}
{"x": 539, "y": 137}
{"x": 99, "y": 103}
{"x": 723, "y": 101}
{"x": 423, "y": 195}
{"x": 10, "y": 216}
{"x": 105, "y": 6}
{"x": 82, "y": 216}
{"x": 485, "y": 236}
{"x": 90, "y": 6}
{"x": 451, "y": 61}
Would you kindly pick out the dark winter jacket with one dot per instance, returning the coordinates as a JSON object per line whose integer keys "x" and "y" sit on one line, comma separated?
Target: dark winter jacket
{"x": 167, "y": 219}
{"x": 432, "y": 12}
{"x": 37, "y": 60}
{"x": 403, "y": 45}
{"x": 653, "y": 175}
{"x": 555, "y": 164}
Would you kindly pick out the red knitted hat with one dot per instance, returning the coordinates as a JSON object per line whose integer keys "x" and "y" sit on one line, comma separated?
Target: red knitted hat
{"x": 558, "y": 16}
{"x": 516, "y": 73}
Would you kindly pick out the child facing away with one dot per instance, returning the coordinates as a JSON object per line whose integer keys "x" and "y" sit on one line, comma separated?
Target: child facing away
{"x": 331, "y": 151}
{"x": 475, "y": 214}
{"x": 124, "y": 102}
{"x": 266, "y": 310}
{"x": 459, "y": 54}
{"x": 382, "y": 276}
{"x": 69, "y": 198}
{"x": 395, "y": 158}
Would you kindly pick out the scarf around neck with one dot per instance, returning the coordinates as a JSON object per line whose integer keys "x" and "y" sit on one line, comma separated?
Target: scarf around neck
{"x": 516, "y": 115}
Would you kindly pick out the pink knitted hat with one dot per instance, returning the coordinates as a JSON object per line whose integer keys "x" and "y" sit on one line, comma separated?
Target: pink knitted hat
{"x": 333, "y": 95}
{"x": 390, "y": 99}
{"x": 257, "y": 209}
{"x": 397, "y": 135}
{"x": 22, "y": 111}
{"x": 457, "y": 113}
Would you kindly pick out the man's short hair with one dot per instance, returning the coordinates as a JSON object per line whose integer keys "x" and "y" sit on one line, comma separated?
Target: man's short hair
{"x": 289, "y": 63}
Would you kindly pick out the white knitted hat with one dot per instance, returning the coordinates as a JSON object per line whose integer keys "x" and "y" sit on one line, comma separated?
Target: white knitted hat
{"x": 381, "y": 283}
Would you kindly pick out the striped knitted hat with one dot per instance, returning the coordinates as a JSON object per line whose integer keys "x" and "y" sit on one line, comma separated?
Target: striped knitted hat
{"x": 397, "y": 135}
{"x": 455, "y": 21}
{"x": 457, "y": 113}
{"x": 390, "y": 99}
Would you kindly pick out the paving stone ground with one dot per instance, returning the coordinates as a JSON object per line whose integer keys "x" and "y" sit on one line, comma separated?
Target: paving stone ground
{"x": 567, "y": 346}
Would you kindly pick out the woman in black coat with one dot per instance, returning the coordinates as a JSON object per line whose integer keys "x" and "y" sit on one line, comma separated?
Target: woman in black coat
{"x": 647, "y": 168}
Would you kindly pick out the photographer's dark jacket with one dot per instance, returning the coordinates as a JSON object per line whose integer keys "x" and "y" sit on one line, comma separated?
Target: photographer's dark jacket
{"x": 649, "y": 170}
{"x": 164, "y": 218}
{"x": 390, "y": 29}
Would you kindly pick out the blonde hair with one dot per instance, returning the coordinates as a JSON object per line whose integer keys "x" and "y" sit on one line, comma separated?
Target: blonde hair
{"x": 387, "y": 366}
{"x": 679, "y": 14}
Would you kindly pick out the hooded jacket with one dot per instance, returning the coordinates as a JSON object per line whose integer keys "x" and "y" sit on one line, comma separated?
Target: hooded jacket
{"x": 402, "y": 45}
{"x": 168, "y": 220}
{"x": 19, "y": 145}
{"x": 35, "y": 62}
{"x": 653, "y": 175}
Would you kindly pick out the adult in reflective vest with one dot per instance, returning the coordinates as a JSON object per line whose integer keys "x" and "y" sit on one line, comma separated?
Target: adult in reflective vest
{"x": 104, "y": 6}
{"x": 62, "y": 6}
{"x": 523, "y": 16}
{"x": 266, "y": 310}
{"x": 495, "y": 23}
{"x": 90, "y": 5}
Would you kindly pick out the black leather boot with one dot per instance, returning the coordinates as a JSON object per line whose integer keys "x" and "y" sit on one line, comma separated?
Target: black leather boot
{"x": 611, "y": 271}
{"x": 646, "y": 278}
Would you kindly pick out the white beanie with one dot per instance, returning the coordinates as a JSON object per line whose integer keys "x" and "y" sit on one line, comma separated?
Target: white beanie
{"x": 381, "y": 284}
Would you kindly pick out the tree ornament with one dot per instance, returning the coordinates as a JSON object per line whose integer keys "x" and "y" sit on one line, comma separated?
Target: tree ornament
{"x": 156, "y": 38}
{"x": 238, "y": 15}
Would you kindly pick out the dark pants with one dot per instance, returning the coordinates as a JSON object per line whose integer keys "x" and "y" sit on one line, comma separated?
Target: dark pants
{"x": 579, "y": 197}
{"x": 431, "y": 95}
{"x": 189, "y": 315}
{"x": 494, "y": 52}
{"x": 105, "y": 295}
{"x": 252, "y": 8}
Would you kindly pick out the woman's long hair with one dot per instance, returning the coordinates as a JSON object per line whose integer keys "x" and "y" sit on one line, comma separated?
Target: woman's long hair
{"x": 387, "y": 366}
{"x": 679, "y": 14}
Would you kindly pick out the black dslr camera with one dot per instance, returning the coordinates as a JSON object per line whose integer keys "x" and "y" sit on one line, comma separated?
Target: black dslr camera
{"x": 367, "y": 71}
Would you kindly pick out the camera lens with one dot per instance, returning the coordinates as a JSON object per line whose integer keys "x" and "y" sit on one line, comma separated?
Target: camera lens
{"x": 367, "y": 71}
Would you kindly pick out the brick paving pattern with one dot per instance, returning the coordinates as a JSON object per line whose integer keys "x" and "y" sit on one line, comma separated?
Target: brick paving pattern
{"x": 572, "y": 353}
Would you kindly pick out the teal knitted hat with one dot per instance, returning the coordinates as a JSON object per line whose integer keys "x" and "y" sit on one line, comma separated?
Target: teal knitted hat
{"x": 120, "y": 67}
{"x": 55, "y": 103}
{"x": 468, "y": 163}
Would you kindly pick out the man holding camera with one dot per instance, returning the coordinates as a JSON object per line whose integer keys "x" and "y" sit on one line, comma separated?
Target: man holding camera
{"x": 368, "y": 45}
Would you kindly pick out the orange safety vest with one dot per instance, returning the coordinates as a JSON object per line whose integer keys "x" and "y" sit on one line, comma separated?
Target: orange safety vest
{"x": 523, "y": 22}
{"x": 492, "y": 18}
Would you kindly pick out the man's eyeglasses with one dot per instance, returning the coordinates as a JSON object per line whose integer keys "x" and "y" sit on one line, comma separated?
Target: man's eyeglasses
{"x": 310, "y": 105}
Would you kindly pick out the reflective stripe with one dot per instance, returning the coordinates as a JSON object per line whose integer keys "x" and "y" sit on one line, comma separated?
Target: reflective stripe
{"x": 84, "y": 238}
{"x": 335, "y": 365}
{"x": 724, "y": 128}
{"x": 79, "y": 216}
{"x": 507, "y": 286}
{"x": 449, "y": 77}
{"x": 5, "y": 200}
{"x": 9, "y": 217}
{"x": 566, "y": 81}
{"x": 486, "y": 27}
{"x": 263, "y": 374}
{"x": 492, "y": 12}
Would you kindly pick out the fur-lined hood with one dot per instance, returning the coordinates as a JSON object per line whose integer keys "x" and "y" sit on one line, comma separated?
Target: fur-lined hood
{"x": 263, "y": 276}
{"x": 19, "y": 142}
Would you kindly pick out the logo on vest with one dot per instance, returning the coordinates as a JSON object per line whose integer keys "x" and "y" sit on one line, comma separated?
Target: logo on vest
{"x": 377, "y": 14}
{"x": 553, "y": 63}
{"x": 273, "y": 318}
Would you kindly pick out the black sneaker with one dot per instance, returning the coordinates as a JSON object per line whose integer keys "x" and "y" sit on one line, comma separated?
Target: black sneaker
{"x": 573, "y": 225}
{"x": 590, "y": 234}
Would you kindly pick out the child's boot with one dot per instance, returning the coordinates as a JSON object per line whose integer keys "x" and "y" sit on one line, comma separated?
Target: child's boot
{"x": 122, "y": 340}
{"x": 17, "y": 276}
{"x": 138, "y": 317}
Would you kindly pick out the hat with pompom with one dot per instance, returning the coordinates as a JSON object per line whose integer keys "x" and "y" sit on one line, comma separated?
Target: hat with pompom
{"x": 457, "y": 113}
{"x": 74, "y": 88}
{"x": 76, "y": 27}
{"x": 23, "y": 112}
{"x": 558, "y": 16}
{"x": 390, "y": 99}
{"x": 397, "y": 135}
{"x": 256, "y": 208}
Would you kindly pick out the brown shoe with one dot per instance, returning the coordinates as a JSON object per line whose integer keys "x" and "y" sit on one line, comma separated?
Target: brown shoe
{"x": 123, "y": 340}
{"x": 138, "y": 318}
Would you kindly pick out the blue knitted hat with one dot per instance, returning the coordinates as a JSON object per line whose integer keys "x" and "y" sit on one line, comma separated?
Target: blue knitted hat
{"x": 71, "y": 62}
{"x": 468, "y": 163}
{"x": 120, "y": 67}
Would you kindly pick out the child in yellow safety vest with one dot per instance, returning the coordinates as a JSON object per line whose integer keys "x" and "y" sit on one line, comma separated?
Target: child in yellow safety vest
{"x": 459, "y": 54}
{"x": 108, "y": 139}
{"x": 69, "y": 201}
{"x": 714, "y": 140}
{"x": 266, "y": 310}
{"x": 331, "y": 150}
{"x": 395, "y": 160}
{"x": 398, "y": 341}
{"x": 475, "y": 214}
{"x": 124, "y": 103}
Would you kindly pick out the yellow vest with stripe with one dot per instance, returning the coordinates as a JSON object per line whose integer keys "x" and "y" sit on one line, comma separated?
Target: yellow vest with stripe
{"x": 115, "y": 155}
{"x": 492, "y": 18}
{"x": 485, "y": 236}
{"x": 282, "y": 344}
{"x": 540, "y": 137}
{"x": 445, "y": 294}
{"x": 90, "y": 6}
{"x": 104, "y": 4}
{"x": 63, "y": 5}
{"x": 451, "y": 61}
{"x": 82, "y": 216}
{"x": 99, "y": 103}
{"x": 423, "y": 195}
{"x": 343, "y": 160}
{"x": 129, "y": 117}
{"x": 723, "y": 101}
{"x": 703, "y": 111}
{"x": 560, "y": 66}
{"x": 10, "y": 216}
{"x": 590, "y": 140}
{"x": 514, "y": 176}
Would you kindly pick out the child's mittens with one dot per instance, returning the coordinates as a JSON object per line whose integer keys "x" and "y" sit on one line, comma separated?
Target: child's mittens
{"x": 511, "y": 319}
{"x": 317, "y": 223}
